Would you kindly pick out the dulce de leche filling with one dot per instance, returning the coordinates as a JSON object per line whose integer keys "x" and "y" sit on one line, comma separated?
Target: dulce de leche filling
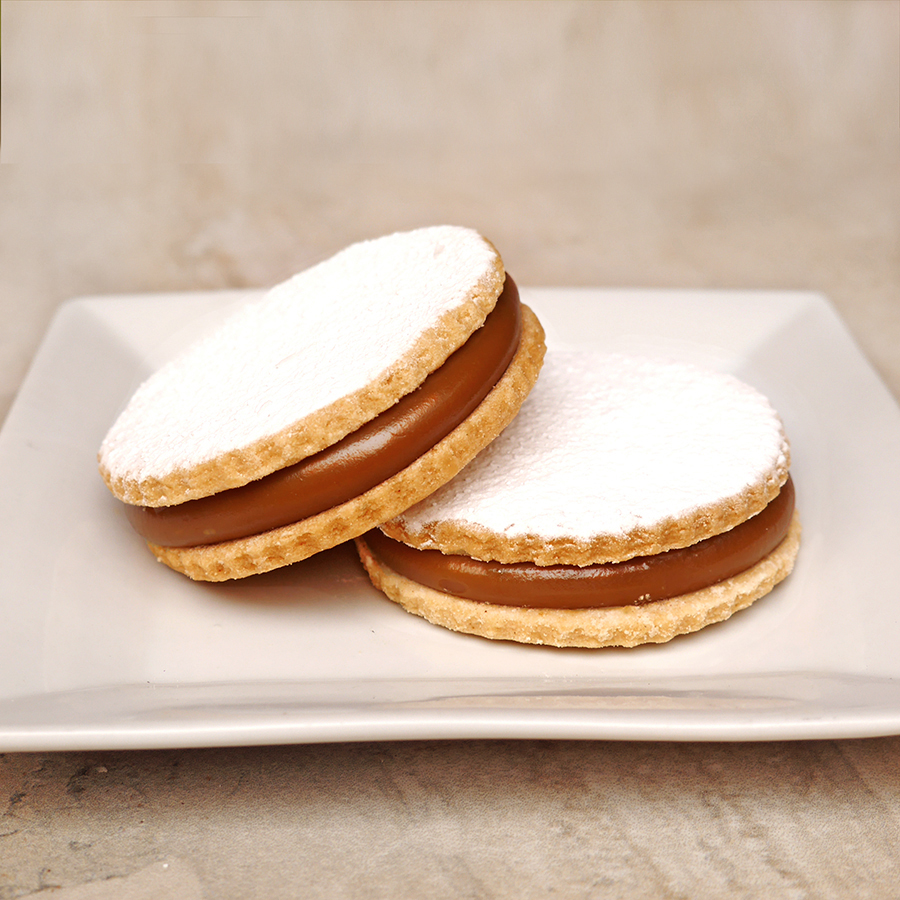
{"x": 370, "y": 455}
{"x": 630, "y": 583}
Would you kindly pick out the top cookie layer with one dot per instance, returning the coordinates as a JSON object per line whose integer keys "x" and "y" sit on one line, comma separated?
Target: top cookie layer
{"x": 610, "y": 457}
{"x": 297, "y": 370}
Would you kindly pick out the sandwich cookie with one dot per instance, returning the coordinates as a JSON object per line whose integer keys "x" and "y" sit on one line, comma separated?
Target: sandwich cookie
{"x": 632, "y": 500}
{"x": 334, "y": 402}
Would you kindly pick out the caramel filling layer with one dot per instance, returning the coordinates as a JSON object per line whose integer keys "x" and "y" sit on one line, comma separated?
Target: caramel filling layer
{"x": 630, "y": 583}
{"x": 370, "y": 455}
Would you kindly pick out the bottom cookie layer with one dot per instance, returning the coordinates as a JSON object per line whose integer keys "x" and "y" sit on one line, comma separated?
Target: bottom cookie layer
{"x": 621, "y": 626}
{"x": 291, "y": 543}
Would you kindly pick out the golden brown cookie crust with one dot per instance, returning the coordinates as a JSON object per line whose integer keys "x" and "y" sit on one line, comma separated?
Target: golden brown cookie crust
{"x": 463, "y": 539}
{"x": 623, "y": 626}
{"x": 292, "y": 543}
{"x": 328, "y": 425}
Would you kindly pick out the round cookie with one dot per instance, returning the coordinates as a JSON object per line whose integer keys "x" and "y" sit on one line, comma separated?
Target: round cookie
{"x": 632, "y": 500}
{"x": 337, "y": 387}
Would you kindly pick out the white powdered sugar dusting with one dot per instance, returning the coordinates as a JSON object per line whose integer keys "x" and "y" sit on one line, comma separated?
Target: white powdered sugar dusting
{"x": 606, "y": 444}
{"x": 320, "y": 336}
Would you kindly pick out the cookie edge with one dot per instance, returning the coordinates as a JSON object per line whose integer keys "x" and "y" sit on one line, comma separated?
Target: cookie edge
{"x": 293, "y": 543}
{"x": 321, "y": 429}
{"x": 455, "y": 537}
{"x": 623, "y": 626}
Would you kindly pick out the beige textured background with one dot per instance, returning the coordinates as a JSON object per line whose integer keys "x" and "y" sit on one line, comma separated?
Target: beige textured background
{"x": 155, "y": 145}
{"x": 161, "y": 144}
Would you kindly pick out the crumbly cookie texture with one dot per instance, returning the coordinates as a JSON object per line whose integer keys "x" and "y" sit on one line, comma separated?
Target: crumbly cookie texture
{"x": 612, "y": 457}
{"x": 622, "y": 626}
{"x": 308, "y": 363}
{"x": 281, "y": 546}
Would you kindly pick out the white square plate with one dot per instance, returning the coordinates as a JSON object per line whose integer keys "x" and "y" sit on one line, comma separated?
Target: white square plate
{"x": 102, "y": 648}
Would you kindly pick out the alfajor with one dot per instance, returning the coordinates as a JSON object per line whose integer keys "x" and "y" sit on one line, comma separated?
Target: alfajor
{"x": 632, "y": 500}
{"x": 330, "y": 404}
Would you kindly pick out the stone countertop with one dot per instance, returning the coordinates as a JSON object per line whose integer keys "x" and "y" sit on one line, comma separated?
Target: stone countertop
{"x": 153, "y": 145}
{"x": 499, "y": 819}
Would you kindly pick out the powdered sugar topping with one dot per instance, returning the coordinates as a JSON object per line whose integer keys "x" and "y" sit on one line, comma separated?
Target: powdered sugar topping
{"x": 606, "y": 444}
{"x": 320, "y": 336}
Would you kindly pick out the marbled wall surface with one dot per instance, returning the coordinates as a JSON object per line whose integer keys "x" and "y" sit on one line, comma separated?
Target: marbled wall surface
{"x": 157, "y": 145}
